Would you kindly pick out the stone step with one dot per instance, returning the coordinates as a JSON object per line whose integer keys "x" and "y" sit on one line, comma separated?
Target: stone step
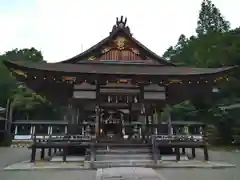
{"x": 122, "y": 145}
{"x": 122, "y": 163}
{"x": 123, "y": 151}
{"x": 144, "y": 156}
{"x": 173, "y": 158}
{"x": 128, "y": 147}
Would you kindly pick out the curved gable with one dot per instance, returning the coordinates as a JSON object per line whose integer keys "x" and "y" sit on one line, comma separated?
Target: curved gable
{"x": 119, "y": 45}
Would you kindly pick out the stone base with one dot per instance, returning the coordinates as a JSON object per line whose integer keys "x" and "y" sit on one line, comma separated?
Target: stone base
{"x": 45, "y": 165}
{"x": 68, "y": 159}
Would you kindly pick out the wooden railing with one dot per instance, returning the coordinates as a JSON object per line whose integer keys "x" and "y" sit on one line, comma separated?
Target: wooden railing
{"x": 179, "y": 138}
{"x": 178, "y": 142}
{"x": 59, "y": 143}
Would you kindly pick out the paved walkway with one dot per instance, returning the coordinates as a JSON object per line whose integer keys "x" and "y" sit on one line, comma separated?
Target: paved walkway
{"x": 13, "y": 155}
{"x": 9, "y": 156}
{"x": 207, "y": 174}
{"x": 128, "y": 173}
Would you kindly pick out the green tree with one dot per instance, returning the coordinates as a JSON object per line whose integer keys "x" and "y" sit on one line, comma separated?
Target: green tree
{"x": 31, "y": 55}
{"x": 173, "y": 52}
{"x": 214, "y": 46}
{"x": 7, "y": 82}
{"x": 211, "y": 19}
{"x": 25, "y": 100}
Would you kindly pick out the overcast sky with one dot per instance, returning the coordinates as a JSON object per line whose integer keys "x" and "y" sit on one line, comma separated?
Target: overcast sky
{"x": 60, "y": 28}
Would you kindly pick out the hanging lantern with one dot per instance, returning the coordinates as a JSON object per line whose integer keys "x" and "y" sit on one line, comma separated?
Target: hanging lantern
{"x": 135, "y": 99}
{"x": 215, "y": 90}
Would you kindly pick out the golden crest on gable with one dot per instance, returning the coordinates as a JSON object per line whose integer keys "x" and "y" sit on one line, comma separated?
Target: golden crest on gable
{"x": 120, "y": 42}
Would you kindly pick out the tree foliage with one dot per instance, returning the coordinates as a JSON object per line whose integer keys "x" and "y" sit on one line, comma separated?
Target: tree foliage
{"x": 210, "y": 20}
{"x": 214, "y": 46}
{"x": 24, "y": 100}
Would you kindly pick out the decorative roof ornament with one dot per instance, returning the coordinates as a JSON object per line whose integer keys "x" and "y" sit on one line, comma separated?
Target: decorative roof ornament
{"x": 19, "y": 72}
{"x": 92, "y": 58}
{"x": 121, "y": 24}
{"x": 120, "y": 43}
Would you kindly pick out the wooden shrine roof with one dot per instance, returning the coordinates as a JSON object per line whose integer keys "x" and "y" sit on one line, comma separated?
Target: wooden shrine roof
{"x": 115, "y": 69}
{"x": 120, "y": 39}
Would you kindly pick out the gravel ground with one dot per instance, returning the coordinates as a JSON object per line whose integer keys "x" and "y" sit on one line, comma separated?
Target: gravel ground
{"x": 207, "y": 174}
{"x": 48, "y": 175}
{"x": 13, "y": 155}
{"x": 10, "y": 156}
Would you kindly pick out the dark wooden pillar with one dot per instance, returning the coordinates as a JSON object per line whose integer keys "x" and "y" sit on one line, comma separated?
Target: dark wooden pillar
{"x": 206, "y": 157}
{"x": 97, "y": 110}
{"x": 193, "y": 153}
{"x": 147, "y": 124}
{"x": 130, "y": 112}
{"x": 34, "y": 149}
{"x": 33, "y": 155}
{"x": 64, "y": 154}
{"x": 183, "y": 151}
{"x": 42, "y": 153}
{"x": 177, "y": 151}
{"x": 143, "y": 111}
{"x": 130, "y": 118}
{"x": 49, "y": 152}
{"x": 71, "y": 111}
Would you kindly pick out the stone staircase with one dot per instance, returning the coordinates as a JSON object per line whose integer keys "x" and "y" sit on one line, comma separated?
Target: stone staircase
{"x": 123, "y": 157}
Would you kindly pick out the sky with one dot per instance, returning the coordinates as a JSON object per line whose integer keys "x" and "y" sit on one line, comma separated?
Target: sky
{"x": 62, "y": 29}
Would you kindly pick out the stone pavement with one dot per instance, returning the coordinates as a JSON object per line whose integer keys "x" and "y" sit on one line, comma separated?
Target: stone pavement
{"x": 206, "y": 173}
{"x": 128, "y": 173}
{"x": 9, "y": 156}
{"x": 13, "y": 155}
{"x": 47, "y": 175}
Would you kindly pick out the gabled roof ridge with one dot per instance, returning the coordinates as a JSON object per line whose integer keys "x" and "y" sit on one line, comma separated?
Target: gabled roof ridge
{"x": 120, "y": 26}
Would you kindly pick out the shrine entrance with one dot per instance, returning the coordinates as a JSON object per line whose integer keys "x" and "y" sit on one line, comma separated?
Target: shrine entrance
{"x": 111, "y": 126}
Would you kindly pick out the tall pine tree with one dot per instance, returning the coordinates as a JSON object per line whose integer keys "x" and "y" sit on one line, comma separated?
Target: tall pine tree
{"x": 211, "y": 19}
